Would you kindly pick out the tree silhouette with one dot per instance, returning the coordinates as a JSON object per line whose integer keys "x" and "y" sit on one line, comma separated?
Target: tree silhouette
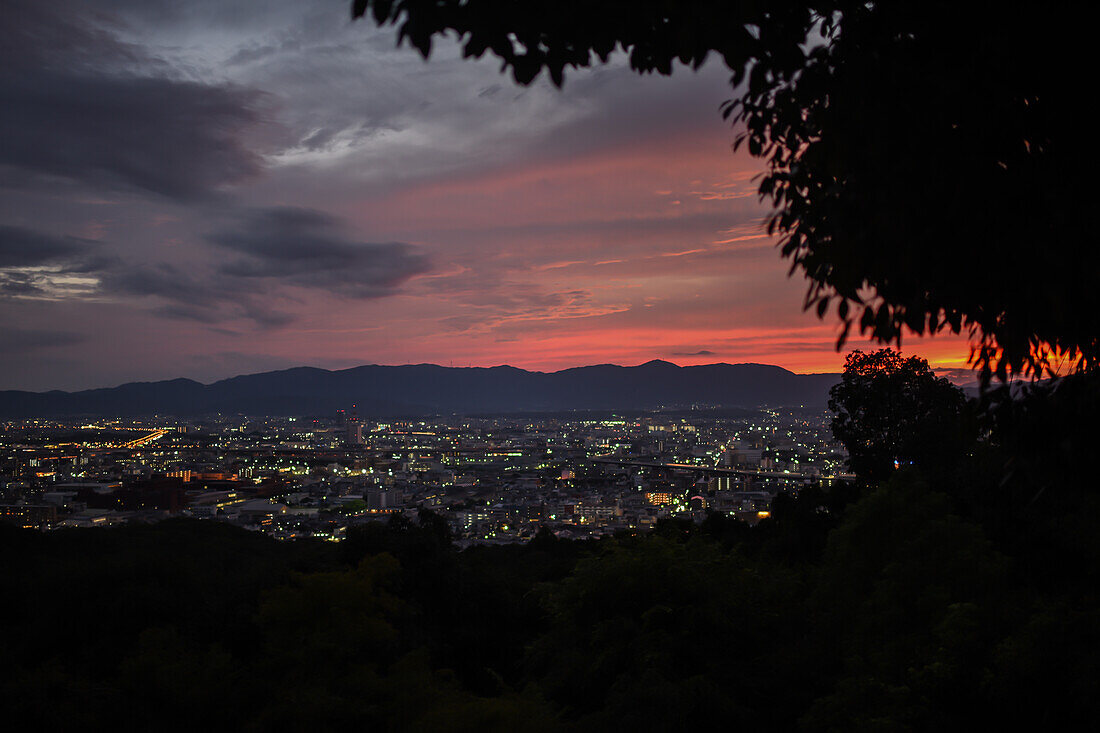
{"x": 924, "y": 158}
{"x": 893, "y": 411}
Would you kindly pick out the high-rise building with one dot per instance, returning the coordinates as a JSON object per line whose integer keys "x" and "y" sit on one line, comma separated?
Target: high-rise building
{"x": 353, "y": 429}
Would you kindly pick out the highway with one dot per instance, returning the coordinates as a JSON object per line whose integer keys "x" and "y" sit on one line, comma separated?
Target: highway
{"x": 149, "y": 438}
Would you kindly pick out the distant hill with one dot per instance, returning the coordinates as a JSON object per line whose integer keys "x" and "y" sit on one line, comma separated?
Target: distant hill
{"x": 421, "y": 389}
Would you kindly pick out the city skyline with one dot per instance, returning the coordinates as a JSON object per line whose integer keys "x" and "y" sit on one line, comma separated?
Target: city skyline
{"x": 209, "y": 191}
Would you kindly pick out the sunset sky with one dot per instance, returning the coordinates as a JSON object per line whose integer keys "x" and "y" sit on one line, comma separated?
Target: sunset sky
{"x": 203, "y": 189}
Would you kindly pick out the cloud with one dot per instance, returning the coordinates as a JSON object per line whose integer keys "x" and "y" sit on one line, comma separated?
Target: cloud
{"x": 271, "y": 252}
{"x": 35, "y": 264}
{"x": 16, "y": 284}
{"x": 700, "y": 352}
{"x": 308, "y": 248}
{"x": 78, "y": 104}
{"x": 257, "y": 271}
{"x": 205, "y": 106}
{"x": 21, "y": 247}
{"x": 960, "y": 377}
{"x": 20, "y": 340}
{"x": 193, "y": 297}
{"x": 482, "y": 301}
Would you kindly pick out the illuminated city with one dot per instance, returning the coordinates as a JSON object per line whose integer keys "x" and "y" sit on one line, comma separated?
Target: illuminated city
{"x": 494, "y": 479}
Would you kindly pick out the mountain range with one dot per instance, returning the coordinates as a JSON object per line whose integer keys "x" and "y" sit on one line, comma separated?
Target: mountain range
{"x": 423, "y": 389}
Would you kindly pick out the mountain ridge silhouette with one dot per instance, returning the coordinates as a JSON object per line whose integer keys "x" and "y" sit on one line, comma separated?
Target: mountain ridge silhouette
{"x": 424, "y": 389}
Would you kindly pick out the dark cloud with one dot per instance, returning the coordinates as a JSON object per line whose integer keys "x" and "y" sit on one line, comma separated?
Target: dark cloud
{"x": 20, "y": 340}
{"x": 78, "y": 104}
{"x": 307, "y": 248}
{"x": 273, "y": 252}
{"x": 162, "y": 280}
{"x": 189, "y": 296}
{"x": 17, "y": 284}
{"x": 31, "y": 261}
{"x": 20, "y": 247}
{"x": 273, "y": 249}
{"x": 55, "y": 36}
{"x": 700, "y": 352}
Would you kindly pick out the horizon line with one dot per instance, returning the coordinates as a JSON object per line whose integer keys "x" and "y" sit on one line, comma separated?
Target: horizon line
{"x": 419, "y": 364}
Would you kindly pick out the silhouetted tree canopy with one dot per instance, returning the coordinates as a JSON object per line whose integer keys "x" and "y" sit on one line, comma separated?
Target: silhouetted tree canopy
{"x": 925, "y": 158}
{"x": 890, "y": 611}
{"x": 892, "y": 408}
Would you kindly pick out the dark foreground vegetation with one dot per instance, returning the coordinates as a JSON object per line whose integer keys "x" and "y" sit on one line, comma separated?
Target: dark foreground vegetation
{"x": 959, "y": 590}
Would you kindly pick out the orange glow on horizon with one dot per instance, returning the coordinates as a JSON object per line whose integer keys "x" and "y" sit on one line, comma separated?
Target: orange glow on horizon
{"x": 630, "y": 347}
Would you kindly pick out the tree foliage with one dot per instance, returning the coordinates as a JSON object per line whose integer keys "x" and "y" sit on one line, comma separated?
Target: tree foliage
{"x": 898, "y": 614}
{"x": 924, "y": 158}
{"x": 892, "y": 410}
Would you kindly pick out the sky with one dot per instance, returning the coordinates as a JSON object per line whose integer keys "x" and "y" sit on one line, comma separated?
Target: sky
{"x": 219, "y": 187}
